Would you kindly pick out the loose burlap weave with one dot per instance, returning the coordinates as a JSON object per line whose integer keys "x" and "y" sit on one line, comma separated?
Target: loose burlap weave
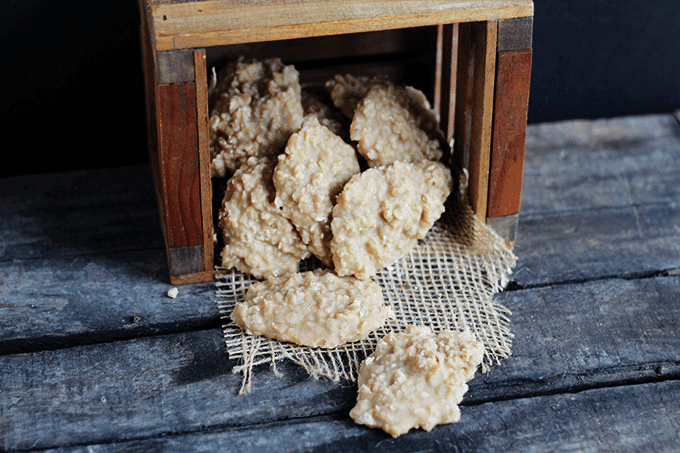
{"x": 446, "y": 282}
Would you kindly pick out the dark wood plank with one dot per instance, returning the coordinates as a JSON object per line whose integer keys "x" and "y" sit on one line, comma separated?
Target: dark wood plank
{"x": 511, "y": 104}
{"x": 586, "y": 164}
{"x": 77, "y": 213}
{"x": 145, "y": 387}
{"x": 599, "y": 199}
{"x": 567, "y": 338}
{"x": 73, "y": 300}
{"x": 576, "y": 336}
{"x": 586, "y": 245}
{"x": 631, "y": 418}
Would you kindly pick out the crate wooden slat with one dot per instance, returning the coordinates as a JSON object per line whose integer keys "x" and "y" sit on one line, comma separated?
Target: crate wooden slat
{"x": 511, "y": 104}
{"x": 475, "y": 45}
{"x": 181, "y": 25}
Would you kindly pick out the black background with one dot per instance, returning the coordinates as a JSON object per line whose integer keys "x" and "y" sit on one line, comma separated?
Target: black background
{"x": 73, "y": 94}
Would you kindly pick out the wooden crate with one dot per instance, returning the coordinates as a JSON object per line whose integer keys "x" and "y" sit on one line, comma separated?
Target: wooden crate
{"x": 472, "y": 57}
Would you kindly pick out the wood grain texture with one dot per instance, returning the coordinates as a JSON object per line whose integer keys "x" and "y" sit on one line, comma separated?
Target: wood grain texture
{"x": 628, "y": 241}
{"x": 196, "y": 277}
{"x": 474, "y": 107}
{"x": 511, "y": 105}
{"x": 210, "y": 23}
{"x": 53, "y": 215}
{"x": 182, "y": 383}
{"x": 640, "y": 417}
{"x": 445, "y": 77}
{"x": 614, "y": 162}
{"x": 179, "y": 163}
{"x": 97, "y": 358}
{"x": 185, "y": 260}
{"x": 200, "y": 70}
{"x": 147, "y": 386}
{"x": 65, "y": 301}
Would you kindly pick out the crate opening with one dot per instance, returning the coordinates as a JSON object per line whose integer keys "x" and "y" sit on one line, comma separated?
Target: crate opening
{"x": 406, "y": 56}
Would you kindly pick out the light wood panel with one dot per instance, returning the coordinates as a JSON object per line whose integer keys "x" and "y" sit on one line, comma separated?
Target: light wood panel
{"x": 199, "y": 24}
{"x": 446, "y": 68}
{"x": 200, "y": 70}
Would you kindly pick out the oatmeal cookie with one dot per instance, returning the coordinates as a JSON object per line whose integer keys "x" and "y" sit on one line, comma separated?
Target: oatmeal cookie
{"x": 316, "y": 309}
{"x": 258, "y": 106}
{"x": 381, "y": 213}
{"x": 308, "y": 177}
{"x": 259, "y": 240}
{"x": 391, "y": 123}
{"x": 416, "y": 379}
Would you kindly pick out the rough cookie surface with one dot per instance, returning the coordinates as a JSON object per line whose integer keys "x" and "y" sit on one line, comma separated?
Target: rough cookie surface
{"x": 258, "y": 106}
{"x": 259, "y": 240}
{"x": 390, "y": 124}
{"x": 308, "y": 177}
{"x": 416, "y": 379}
{"x": 316, "y": 309}
{"x": 382, "y": 212}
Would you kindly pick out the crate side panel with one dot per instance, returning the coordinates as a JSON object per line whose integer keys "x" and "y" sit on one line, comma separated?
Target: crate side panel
{"x": 179, "y": 163}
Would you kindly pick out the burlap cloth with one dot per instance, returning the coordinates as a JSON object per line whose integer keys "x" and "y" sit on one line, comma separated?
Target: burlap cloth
{"x": 446, "y": 282}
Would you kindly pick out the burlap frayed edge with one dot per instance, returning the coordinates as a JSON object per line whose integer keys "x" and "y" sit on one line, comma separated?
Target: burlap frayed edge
{"x": 448, "y": 281}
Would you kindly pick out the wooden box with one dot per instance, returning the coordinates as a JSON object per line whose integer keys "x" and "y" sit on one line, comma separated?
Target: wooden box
{"x": 472, "y": 58}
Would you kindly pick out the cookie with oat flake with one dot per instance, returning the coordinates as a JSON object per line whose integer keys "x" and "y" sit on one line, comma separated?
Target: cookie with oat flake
{"x": 416, "y": 378}
{"x": 316, "y": 309}
{"x": 382, "y": 212}
{"x": 393, "y": 123}
{"x": 257, "y": 106}
{"x": 308, "y": 177}
{"x": 259, "y": 240}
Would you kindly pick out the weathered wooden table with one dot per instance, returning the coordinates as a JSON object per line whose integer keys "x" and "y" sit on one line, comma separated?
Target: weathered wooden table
{"x": 95, "y": 356}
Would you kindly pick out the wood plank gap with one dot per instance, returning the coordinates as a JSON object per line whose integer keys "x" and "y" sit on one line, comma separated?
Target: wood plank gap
{"x": 514, "y": 286}
{"x": 577, "y": 382}
{"x": 535, "y": 214}
{"x": 608, "y": 418}
{"x": 59, "y": 342}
